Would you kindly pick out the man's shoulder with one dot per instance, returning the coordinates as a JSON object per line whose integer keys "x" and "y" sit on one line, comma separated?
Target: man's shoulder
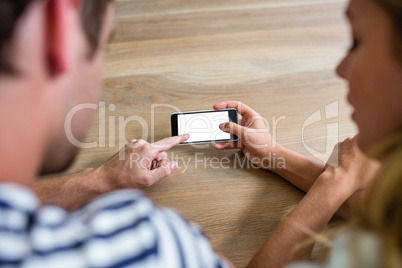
{"x": 17, "y": 197}
{"x": 121, "y": 228}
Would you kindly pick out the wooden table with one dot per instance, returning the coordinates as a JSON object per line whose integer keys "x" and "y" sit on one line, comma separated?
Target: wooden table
{"x": 277, "y": 56}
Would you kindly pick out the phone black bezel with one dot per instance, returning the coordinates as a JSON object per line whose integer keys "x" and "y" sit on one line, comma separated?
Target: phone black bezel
{"x": 233, "y": 117}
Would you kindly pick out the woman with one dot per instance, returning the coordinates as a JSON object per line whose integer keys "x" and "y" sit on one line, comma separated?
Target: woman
{"x": 373, "y": 70}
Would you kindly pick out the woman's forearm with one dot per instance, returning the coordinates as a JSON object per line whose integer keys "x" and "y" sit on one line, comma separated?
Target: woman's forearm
{"x": 310, "y": 215}
{"x": 302, "y": 172}
{"x": 299, "y": 170}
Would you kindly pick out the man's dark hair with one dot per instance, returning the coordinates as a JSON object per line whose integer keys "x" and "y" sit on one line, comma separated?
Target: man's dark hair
{"x": 92, "y": 15}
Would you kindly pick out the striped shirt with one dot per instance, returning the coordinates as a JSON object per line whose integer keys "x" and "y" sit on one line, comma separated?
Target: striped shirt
{"x": 120, "y": 229}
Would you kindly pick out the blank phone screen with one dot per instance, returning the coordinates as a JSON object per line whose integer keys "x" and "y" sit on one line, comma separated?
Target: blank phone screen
{"x": 203, "y": 126}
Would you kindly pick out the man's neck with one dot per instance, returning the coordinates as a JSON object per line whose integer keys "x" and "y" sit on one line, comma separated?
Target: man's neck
{"x": 21, "y": 133}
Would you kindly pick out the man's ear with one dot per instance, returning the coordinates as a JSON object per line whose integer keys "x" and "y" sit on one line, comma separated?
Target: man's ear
{"x": 59, "y": 23}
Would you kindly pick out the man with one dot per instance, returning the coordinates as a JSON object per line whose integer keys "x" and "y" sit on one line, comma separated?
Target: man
{"x": 51, "y": 54}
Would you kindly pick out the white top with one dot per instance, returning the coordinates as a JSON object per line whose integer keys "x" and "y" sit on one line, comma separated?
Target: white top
{"x": 350, "y": 249}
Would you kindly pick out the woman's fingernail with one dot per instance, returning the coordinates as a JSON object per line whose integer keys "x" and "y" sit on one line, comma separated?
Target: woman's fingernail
{"x": 174, "y": 165}
{"x": 222, "y": 125}
{"x": 134, "y": 140}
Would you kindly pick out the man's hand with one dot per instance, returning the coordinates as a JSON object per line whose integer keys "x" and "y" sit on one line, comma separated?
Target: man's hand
{"x": 137, "y": 165}
{"x": 254, "y": 138}
{"x": 140, "y": 164}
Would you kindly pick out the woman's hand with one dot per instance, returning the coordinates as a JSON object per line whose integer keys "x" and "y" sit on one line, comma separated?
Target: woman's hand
{"x": 348, "y": 166}
{"x": 254, "y": 138}
{"x": 140, "y": 164}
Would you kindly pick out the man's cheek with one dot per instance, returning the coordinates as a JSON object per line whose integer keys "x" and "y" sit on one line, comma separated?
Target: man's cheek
{"x": 94, "y": 85}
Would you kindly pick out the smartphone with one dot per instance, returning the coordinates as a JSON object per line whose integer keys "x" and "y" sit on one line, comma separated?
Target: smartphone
{"x": 203, "y": 126}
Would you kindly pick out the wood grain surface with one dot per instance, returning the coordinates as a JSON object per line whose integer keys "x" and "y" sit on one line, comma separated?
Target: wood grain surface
{"x": 277, "y": 56}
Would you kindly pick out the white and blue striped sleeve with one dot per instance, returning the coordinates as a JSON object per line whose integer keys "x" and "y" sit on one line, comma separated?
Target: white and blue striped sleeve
{"x": 121, "y": 229}
{"x": 149, "y": 236}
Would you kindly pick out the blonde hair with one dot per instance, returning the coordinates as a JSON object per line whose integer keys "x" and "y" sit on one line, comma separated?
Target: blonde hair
{"x": 381, "y": 211}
